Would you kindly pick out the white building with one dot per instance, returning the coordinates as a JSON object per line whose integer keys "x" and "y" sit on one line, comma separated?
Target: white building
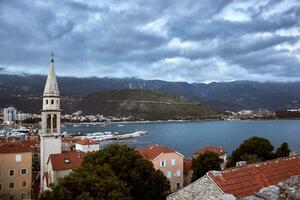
{"x": 9, "y": 114}
{"x": 87, "y": 146}
{"x": 50, "y": 133}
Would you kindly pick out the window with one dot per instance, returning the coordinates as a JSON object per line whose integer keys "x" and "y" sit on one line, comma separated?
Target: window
{"x": 163, "y": 163}
{"x": 0, "y": 186}
{"x": 177, "y": 185}
{"x": 23, "y": 196}
{"x": 52, "y": 101}
{"x": 169, "y": 174}
{"x": 35, "y": 155}
{"x": 11, "y": 172}
{"x": 11, "y": 185}
{"x": 66, "y": 160}
{"x": 23, "y": 184}
{"x": 178, "y": 173}
{"x": 46, "y": 101}
{"x": 173, "y": 162}
{"x": 23, "y": 171}
{"x": 18, "y": 158}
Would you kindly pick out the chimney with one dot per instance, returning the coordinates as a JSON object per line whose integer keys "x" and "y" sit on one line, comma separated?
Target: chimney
{"x": 240, "y": 163}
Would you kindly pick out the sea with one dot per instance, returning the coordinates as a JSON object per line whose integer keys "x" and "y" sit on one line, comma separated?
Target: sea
{"x": 187, "y": 137}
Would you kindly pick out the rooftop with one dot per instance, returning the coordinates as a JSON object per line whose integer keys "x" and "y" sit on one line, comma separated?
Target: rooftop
{"x": 249, "y": 179}
{"x": 86, "y": 142}
{"x": 66, "y": 160}
{"x": 14, "y": 147}
{"x": 32, "y": 144}
{"x": 153, "y": 151}
{"x": 217, "y": 150}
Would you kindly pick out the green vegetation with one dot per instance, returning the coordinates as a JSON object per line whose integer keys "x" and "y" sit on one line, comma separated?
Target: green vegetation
{"x": 114, "y": 173}
{"x": 256, "y": 149}
{"x": 283, "y": 150}
{"x": 204, "y": 163}
{"x": 144, "y": 104}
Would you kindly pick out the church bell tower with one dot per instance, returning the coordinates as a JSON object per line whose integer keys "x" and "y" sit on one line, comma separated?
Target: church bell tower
{"x": 50, "y": 134}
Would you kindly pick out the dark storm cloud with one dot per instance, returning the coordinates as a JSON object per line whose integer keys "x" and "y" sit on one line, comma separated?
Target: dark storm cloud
{"x": 194, "y": 41}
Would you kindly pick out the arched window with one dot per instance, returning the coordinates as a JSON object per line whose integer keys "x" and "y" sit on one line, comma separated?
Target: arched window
{"x": 54, "y": 121}
{"x": 52, "y": 101}
{"x": 46, "y": 101}
{"x": 48, "y": 121}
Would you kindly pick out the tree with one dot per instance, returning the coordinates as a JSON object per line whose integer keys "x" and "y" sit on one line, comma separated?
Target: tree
{"x": 283, "y": 150}
{"x": 204, "y": 163}
{"x": 116, "y": 172}
{"x": 260, "y": 147}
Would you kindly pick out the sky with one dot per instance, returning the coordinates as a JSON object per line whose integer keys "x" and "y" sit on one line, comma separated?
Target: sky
{"x": 172, "y": 40}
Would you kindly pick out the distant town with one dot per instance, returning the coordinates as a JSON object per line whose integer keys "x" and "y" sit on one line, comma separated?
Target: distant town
{"x": 11, "y": 116}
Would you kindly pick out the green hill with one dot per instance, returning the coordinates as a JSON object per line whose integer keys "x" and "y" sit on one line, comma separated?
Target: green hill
{"x": 144, "y": 104}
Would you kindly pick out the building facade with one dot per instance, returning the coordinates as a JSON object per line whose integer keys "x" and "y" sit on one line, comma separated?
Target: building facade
{"x": 9, "y": 114}
{"x": 15, "y": 171}
{"x": 167, "y": 160}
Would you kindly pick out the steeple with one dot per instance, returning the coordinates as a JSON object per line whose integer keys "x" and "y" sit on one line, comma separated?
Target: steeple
{"x": 51, "y": 87}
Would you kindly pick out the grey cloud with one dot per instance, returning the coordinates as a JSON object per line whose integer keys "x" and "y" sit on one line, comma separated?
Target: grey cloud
{"x": 136, "y": 38}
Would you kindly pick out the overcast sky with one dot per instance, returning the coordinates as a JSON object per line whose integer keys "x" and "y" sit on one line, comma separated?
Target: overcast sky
{"x": 173, "y": 40}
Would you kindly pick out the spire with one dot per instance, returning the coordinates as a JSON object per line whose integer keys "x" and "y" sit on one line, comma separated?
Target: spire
{"x": 51, "y": 87}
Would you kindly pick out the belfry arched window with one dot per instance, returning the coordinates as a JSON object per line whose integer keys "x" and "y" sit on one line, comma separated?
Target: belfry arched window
{"x": 54, "y": 121}
{"x": 48, "y": 121}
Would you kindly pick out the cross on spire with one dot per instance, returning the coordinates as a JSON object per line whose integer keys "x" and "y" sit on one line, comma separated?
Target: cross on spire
{"x": 52, "y": 57}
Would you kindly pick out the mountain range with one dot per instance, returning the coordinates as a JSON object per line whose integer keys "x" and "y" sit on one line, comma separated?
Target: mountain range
{"x": 25, "y": 91}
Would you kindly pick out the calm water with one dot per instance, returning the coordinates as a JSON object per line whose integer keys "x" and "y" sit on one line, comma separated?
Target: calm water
{"x": 186, "y": 137}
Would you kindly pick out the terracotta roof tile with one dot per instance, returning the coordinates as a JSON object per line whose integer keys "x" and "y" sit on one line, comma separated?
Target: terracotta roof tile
{"x": 66, "y": 160}
{"x": 32, "y": 144}
{"x": 13, "y": 147}
{"x": 152, "y": 151}
{"x": 249, "y": 179}
{"x": 86, "y": 142}
{"x": 217, "y": 150}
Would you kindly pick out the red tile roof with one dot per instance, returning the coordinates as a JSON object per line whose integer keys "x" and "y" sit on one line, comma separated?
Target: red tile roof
{"x": 86, "y": 142}
{"x": 152, "y": 151}
{"x": 249, "y": 179}
{"x": 13, "y": 147}
{"x": 66, "y": 160}
{"x": 32, "y": 144}
{"x": 217, "y": 150}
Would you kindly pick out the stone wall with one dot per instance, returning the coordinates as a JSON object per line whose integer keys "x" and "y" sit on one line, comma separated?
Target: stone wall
{"x": 202, "y": 189}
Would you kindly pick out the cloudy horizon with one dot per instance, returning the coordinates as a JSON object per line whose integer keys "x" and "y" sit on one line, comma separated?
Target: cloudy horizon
{"x": 191, "y": 41}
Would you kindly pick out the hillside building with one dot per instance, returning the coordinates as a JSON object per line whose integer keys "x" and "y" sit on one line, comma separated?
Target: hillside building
{"x": 15, "y": 171}
{"x": 167, "y": 160}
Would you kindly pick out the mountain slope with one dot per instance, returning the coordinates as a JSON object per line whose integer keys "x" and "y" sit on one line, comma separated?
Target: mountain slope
{"x": 234, "y": 96}
{"x": 144, "y": 104}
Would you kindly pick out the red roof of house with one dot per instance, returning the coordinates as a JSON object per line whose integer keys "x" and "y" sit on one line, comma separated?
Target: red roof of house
{"x": 13, "y": 147}
{"x": 86, "y": 142}
{"x": 152, "y": 151}
{"x": 66, "y": 160}
{"x": 217, "y": 150}
{"x": 249, "y": 179}
{"x": 32, "y": 144}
